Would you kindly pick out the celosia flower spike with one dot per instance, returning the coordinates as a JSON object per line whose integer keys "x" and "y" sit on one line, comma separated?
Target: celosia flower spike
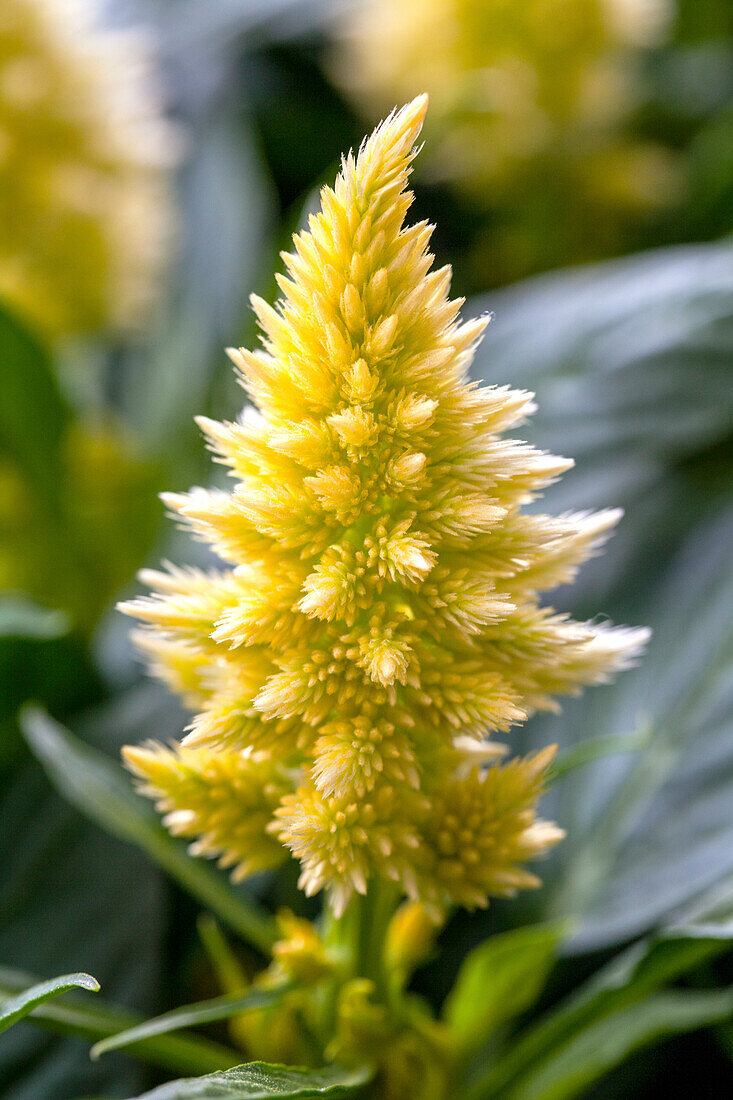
{"x": 379, "y": 621}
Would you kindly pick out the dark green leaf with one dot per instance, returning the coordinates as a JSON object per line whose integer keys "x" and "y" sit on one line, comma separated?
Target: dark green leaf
{"x": 708, "y": 916}
{"x": 615, "y": 353}
{"x": 72, "y": 899}
{"x": 203, "y": 1012}
{"x": 620, "y": 356}
{"x": 628, "y": 979}
{"x": 36, "y": 655}
{"x": 569, "y": 1071}
{"x": 630, "y": 362}
{"x": 103, "y": 791}
{"x": 170, "y": 382}
{"x": 257, "y": 1081}
{"x": 29, "y": 397}
{"x": 241, "y": 23}
{"x": 15, "y": 1007}
{"x": 72, "y": 1016}
{"x": 500, "y": 979}
{"x": 648, "y": 832}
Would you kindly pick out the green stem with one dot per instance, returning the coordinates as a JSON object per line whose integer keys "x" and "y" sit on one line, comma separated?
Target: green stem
{"x": 362, "y": 930}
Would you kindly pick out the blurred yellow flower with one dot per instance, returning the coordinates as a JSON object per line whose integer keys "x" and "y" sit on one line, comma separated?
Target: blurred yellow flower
{"x": 382, "y": 617}
{"x": 72, "y": 544}
{"x": 410, "y": 938}
{"x": 84, "y": 168}
{"x": 412, "y": 1055}
{"x": 528, "y": 101}
{"x": 301, "y": 954}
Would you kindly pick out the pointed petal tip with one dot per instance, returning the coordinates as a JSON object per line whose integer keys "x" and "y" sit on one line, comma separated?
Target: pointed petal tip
{"x": 417, "y": 108}
{"x": 128, "y": 607}
{"x": 235, "y": 354}
{"x": 135, "y": 757}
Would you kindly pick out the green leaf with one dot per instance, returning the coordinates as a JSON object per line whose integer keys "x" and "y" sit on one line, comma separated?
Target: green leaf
{"x": 631, "y": 977}
{"x": 258, "y": 1080}
{"x": 617, "y": 373}
{"x": 193, "y": 1015}
{"x": 14, "y": 1008}
{"x": 73, "y": 899}
{"x": 648, "y": 833}
{"x": 169, "y": 382}
{"x": 29, "y": 397}
{"x": 617, "y": 369}
{"x": 226, "y": 964}
{"x": 500, "y": 979}
{"x": 20, "y": 618}
{"x": 708, "y": 916}
{"x": 241, "y": 24}
{"x": 596, "y": 748}
{"x": 36, "y": 654}
{"x": 101, "y": 789}
{"x": 73, "y": 1016}
{"x": 605, "y": 1044}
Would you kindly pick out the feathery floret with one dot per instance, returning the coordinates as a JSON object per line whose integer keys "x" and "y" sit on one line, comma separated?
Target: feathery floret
{"x": 225, "y": 801}
{"x": 379, "y": 619}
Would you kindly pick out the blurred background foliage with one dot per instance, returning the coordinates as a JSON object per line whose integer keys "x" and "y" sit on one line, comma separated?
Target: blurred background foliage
{"x": 594, "y": 133}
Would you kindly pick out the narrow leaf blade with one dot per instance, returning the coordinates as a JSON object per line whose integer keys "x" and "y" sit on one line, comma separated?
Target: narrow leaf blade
{"x": 193, "y": 1015}
{"x": 100, "y": 789}
{"x": 18, "y": 1006}
{"x": 73, "y": 1016}
{"x": 609, "y": 1041}
{"x": 20, "y": 618}
{"x": 629, "y": 978}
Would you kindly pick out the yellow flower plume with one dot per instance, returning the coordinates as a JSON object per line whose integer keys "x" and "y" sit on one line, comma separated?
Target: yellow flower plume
{"x": 84, "y": 168}
{"x": 380, "y": 619}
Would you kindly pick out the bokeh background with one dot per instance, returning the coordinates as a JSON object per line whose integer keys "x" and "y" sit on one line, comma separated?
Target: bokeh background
{"x": 155, "y": 156}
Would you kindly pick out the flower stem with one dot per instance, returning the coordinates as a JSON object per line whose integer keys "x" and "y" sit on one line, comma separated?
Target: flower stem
{"x": 362, "y": 930}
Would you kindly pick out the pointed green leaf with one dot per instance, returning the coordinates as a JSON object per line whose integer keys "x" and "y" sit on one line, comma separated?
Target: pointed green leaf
{"x": 193, "y": 1015}
{"x": 101, "y": 789}
{"x": 617, "y": 378}
{"x": 626, "y": 980}
{"x": 227, "y": 966}
{"x": 499, "y": 979}
{"x": 709, "y": 916}
{"x": 654, "y": 831}
{"x": 258, "y": 1080}
{"x": 617, "y": 370}
{"x": 595, "y": 1050}
{"x": 96, "y": 1020}
{"x": 14, "y": 1008}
